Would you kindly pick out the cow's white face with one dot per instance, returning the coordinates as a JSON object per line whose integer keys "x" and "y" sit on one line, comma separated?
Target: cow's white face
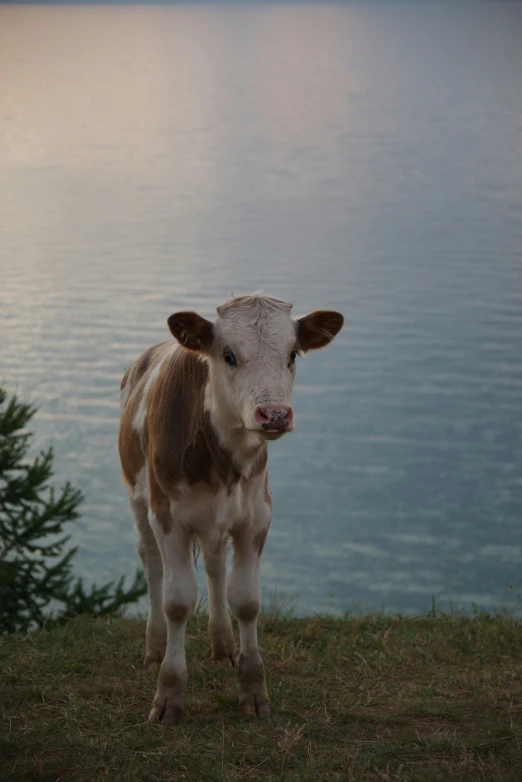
{"x": 251, "y": 350}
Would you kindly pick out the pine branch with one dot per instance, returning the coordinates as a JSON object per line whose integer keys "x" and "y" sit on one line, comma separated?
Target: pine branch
{"x": 36, "y": 580}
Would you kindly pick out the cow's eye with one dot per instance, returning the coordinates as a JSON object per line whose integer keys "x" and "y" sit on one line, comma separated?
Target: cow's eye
{"x": 229, "y": 358}
{"x": 293, "y": 356}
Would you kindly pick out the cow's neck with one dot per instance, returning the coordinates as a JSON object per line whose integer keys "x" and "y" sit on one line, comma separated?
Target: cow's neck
{"x": 247, "y": 450}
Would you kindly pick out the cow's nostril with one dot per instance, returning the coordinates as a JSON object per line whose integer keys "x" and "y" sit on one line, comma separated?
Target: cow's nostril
{"x": 286, "y": 414}
{"x": 263, "y": 416}
{"x": 276, "y": 417}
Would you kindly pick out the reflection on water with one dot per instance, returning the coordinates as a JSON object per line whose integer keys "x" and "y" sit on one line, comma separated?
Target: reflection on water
{"x": 360, "y": 156}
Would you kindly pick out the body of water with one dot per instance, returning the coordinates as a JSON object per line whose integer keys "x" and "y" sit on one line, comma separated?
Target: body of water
{"x": 360, "y": 156}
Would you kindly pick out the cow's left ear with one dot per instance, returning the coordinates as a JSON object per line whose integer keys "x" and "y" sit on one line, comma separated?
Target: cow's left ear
{"x": 191, "y": 330}
{"x": 317, "y": 329}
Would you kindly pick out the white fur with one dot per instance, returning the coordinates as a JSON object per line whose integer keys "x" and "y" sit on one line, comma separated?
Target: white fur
{"x": 141, "y": 487}
{"x": 262, "y": 339}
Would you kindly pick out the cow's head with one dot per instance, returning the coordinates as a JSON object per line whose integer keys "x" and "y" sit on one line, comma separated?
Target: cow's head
{"x": 251, "y": 350}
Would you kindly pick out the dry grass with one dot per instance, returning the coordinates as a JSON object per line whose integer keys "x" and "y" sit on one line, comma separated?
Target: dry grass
{"x": 353, "y": 699}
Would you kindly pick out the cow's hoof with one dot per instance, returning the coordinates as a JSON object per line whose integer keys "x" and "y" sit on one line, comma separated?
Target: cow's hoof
{"x": 254, "y": 704}
{"x": 166, "y": 711}
{"x": 262, "y": 708}
{"x": 154, "y": 657}
{"x": 229, "y": 660}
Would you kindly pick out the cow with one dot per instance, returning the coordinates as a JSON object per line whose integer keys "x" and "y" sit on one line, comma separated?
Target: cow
{"x": 196, "y": 416}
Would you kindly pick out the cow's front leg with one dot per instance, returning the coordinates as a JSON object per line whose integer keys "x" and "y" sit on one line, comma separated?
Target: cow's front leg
{"x": 244, "y": 597}
{"x": 219, "y": 626}
{"x": 179, "y": 600}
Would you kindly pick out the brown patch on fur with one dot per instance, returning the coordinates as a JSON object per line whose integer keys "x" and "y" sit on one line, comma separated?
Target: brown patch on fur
{"x": 205, "y": 458}
{"x": 125, "y": 378}
{"x": 129, "y": 442}
{"x": 317, "y": 329}
{"x": 183, "y": 445}
{"x": 147, "y": 359}
{"x": 144, "y": 362}
{"x": 176, "y": 612}
{"x": 247, "y": 612}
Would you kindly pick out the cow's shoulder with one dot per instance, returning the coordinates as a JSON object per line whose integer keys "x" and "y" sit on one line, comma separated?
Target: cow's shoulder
{"x": 175, "y": 416}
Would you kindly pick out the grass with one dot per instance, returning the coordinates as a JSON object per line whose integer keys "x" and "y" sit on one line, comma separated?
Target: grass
{"x": 353, "y": 699}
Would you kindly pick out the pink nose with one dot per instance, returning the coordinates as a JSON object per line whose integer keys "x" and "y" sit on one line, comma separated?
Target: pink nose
{"x": 274, "y": 417}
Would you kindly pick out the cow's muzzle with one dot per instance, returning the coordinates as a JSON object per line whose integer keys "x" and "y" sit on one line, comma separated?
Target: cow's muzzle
{"x": 274, "y": 419}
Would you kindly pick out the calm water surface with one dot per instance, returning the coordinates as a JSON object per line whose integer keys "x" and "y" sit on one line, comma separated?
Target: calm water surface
{"x": 364, "y": 156}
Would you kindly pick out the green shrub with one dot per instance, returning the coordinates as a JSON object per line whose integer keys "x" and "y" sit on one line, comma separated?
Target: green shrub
{"x": 36, "y": 581}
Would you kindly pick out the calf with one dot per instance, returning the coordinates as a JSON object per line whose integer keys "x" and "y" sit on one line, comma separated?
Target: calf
{"x": 195, "y": 421}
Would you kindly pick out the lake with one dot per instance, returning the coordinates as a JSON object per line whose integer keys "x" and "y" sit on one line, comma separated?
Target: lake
{"x": 360, "y": 156}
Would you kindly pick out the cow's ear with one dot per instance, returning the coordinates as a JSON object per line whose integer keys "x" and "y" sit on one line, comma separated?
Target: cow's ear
{"x": 317, "y": 329}
{"x": 191, "y": 330}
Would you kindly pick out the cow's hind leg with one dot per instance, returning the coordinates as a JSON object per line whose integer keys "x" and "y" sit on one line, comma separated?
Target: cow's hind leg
{"x": 179, "y": 600}
{"x": 156, "y": 634}
{"x": 219, "y": 626}
{"x": 244, "y": 597}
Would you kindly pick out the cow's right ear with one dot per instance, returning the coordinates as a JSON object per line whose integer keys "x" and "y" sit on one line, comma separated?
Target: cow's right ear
{"x": 317, "y": 329}
{"x": 191, "y": 330}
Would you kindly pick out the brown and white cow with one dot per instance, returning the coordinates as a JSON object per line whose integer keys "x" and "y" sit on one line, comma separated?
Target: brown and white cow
{"x": 196, "y": 415}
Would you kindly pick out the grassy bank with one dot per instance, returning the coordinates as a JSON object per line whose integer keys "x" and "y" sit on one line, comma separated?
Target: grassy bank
{"x": 354, "y": 699}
